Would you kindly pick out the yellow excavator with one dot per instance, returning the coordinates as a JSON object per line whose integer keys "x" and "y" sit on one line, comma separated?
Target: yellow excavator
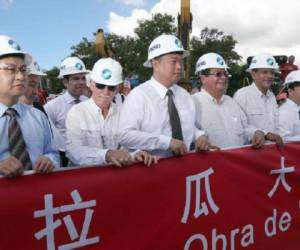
{"x": 184, "y": 28}
{"x": 102, "y": 48}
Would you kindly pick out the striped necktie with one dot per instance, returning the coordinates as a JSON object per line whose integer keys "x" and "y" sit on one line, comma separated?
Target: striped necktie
{"x": 17, "y": 146}
{"x": 174, "y": 117}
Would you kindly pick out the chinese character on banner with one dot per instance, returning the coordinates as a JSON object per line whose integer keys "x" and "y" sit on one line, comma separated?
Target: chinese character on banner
{"x": 51, "y": 225}
{"x": 281, "y": 177}
{"x": 200, "y": 207}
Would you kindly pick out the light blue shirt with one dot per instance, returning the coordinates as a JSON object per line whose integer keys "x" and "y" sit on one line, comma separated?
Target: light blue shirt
{"x": 36, "y": 132}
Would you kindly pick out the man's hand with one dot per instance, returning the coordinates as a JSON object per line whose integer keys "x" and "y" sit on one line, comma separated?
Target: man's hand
{"x": 119, "y": 157}
{"x": 11, "y": 167}
{"x": 258, "y": 139}
{"x": 146, "y": 158}
{"x": 275, "y": 138}
{"x": 178, "y": 147}
{"x": 43, "y": 165}
{"x": 202, "y": 144}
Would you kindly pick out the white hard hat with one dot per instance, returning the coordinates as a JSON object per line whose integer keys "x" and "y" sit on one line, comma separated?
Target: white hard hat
{"x": 71, "y": 65}
{"x": 164, "y": 44}
{"x": 9, "y": 46}
{"x": 107, "y": 71}
{"x": 263, "y": 61}
{"x": 292, "y": 77}
{"x": 34, "y": 69}
{"x": 210, "y": 61}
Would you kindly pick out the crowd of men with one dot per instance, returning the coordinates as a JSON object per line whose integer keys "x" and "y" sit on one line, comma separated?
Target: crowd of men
{"x": 157, "y": 119}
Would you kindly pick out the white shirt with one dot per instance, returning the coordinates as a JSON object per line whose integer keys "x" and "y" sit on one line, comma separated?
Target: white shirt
{"x": 224, "y": 122}
{"x": 145, "y": 123}
{"x": 89, "y": 135}
{"x": 57, "y": 110}
{"x": 261, "y": 110}
{"x": 289, "y": 121}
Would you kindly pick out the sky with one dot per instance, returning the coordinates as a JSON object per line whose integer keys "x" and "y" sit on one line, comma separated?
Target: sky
{"x": 48, "y": 29}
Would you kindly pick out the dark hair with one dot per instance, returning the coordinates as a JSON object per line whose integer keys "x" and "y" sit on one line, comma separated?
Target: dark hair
{"x": 293, "y": 85}
{"x": 204, "y": 72}
{"x": 67, "y": 77}
{"x": 22, "y": 56}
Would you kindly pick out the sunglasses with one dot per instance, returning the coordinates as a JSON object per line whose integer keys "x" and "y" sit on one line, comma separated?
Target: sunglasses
{"x": 103, "y": 86}
{"x": 219, "y": 74}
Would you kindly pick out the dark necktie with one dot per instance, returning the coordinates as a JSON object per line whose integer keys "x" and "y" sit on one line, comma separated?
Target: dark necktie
{"x": 174, "y": 117}
{"x": 76, "y": 101}
{"x": 17, "y": 146}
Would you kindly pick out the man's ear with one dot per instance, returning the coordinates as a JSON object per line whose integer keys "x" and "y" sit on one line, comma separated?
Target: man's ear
{"x": 65, "y": 82}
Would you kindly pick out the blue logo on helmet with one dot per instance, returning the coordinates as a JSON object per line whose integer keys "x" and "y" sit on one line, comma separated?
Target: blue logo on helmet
{"x": 220, "y": 61}
{"x": 78, "y": 66}
{"x": 106, "y": 74}
{"x": 178, "y": 43}
{"x": 14, "y": 45}
{"x": 270, "y": 61}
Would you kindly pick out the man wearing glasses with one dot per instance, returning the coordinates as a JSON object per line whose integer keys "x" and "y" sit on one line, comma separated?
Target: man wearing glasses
{"x": 257, "y": 100}
{"x": 72, "y": 72}
{"x": 218, "y": 114}
{"x": 159, "y": 115}
{"x": 91, "y": 126}
{"x": 26, "y": 141}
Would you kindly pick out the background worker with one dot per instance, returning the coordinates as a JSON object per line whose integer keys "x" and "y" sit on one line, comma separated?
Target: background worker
{"x": 72, "y": 72}
{"x": 257, "y": 100}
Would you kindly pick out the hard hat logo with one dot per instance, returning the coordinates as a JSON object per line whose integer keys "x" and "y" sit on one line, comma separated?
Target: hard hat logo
{"x": 178, "y": 43}
{"x": 270, "y": 61}
{"x": 220, "y": 61}
{"x": 106, "y": 74}
{"x": 78, "y": 66}
{"x": 156, "y": 46}
{"x": 14, "y": 45}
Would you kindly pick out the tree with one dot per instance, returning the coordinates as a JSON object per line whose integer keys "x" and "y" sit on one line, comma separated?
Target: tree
{"x": 132, "y": 52}
{"x": 55, "y": 84}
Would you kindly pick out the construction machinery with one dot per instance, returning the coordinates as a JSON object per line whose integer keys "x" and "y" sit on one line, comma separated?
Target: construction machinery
{"x": 102, "y": 47}
{"x": 184, "y": 20}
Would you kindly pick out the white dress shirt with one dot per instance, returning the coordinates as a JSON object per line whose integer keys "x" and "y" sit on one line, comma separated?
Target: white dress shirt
{"x": 89, "y": 135}
{"x": 224, "y": 122}
{"x": 57, "y": 110}
{"x": 145, "y": 123}
{"x": 289, "y": 121}
{"x": 261, "y": 110}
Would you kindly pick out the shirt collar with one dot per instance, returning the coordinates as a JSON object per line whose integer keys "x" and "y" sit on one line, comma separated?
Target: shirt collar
{"x": 112, "y": 107}
{"x": 161, "y": 89}
{"x": 18, "y": 107}
{"x": 212, "y": 99}
{"x": 70, "y": 99}
{"x": 268, "y": 94}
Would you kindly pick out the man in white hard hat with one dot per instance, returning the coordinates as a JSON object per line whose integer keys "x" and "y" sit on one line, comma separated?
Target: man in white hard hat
{"x": 91, "y": 126}
{"x": 19, "y": 149}
{"x": 34, "y": 78}
{"x": 158, "y": 115}
{"x": 289, "y": 111}
{"x": 217, "y": 113}
{"x": 257, "y": 101}
{"x": 72, "y": 71}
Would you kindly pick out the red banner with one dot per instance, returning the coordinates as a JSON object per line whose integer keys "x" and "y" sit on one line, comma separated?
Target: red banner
{"x": 230, "y": 199}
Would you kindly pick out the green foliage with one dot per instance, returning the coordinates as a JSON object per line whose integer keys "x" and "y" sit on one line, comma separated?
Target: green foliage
{"x": 55, "y": 85}
{"x": 132, "y": 52}
{"x": 86, "y": 51}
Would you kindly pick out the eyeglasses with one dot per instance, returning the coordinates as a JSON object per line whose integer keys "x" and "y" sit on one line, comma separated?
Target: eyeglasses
{"x": 102, "y": 86}
{"x": 219, "y": 74}
{"x": 14, "y": 70}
